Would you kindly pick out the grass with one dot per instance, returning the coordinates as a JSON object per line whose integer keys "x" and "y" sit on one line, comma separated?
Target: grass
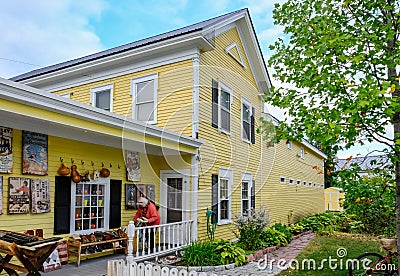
{"x": 325, "y": 247}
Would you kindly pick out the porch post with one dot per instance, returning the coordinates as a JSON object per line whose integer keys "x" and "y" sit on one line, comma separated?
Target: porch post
{"x": 131, "y": 234}
{"x": 195, "y": 183}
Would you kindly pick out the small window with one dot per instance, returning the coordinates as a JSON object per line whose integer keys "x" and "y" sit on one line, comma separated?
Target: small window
{"x": 289, "y": 145}
{"x": 66, "y": 95}
{"x": 302, "y": 153}
{"x": 283, "y": 180}
{"x": 315, "y": 185}
{"x": 102, "y": 97}
{"x": 144, "y": 96}
{"x": 247, "y": 114}
{"x": 304, "y": 183}
{"x": 225, "y": 100}
{"x": 291, "y": 181}
{"x": 298, "y": 182}
{"x": 310, "y": 184}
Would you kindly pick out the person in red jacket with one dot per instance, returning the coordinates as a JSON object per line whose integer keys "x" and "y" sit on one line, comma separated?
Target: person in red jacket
{"x": 147, "y": 215}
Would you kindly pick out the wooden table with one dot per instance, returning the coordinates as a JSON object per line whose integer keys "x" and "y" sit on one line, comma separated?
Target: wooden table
{"x": 38, "y": 252}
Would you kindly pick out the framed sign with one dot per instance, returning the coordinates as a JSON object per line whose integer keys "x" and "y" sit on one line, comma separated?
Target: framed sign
{"x": 19, "y": 195}
{"x": 134, "y": 191}
{"x": 6, "y": 155}
{"x": 132, "y": 165}
{"x": 34, "y": 153}
{"x": 40, "y": 190}
{"x": 1, "y": 195}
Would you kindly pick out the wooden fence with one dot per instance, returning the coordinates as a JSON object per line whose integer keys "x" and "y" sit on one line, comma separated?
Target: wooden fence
{"x": 125, "y": 268}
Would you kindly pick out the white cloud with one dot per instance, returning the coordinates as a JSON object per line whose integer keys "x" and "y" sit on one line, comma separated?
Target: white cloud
{"x": 46, "y": 32}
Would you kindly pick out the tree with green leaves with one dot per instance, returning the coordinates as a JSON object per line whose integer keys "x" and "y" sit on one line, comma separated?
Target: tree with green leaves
{"x": 340, "y": 63}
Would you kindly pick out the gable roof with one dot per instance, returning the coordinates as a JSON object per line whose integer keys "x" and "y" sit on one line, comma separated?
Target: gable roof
{"x": 366, "y": 162}
{"x": 197, "y": 27}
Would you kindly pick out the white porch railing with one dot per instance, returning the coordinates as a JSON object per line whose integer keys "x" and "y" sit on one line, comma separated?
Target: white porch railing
{"x": 167, "y": 238}
{"x": 123, "y": 268}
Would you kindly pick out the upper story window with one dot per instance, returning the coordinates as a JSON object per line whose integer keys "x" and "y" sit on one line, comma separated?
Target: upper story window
{"x": 221, "y": 109}
{"x": 144, "y": 94}
{"x": 289, "y": 145}
{"x": 302, "y": 152}
{"x": 102, "y": 97}
{"x": 248, "y": 129}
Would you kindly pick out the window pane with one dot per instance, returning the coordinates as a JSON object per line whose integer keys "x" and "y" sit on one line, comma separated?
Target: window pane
{"x": 145, "y": 91}
{"x": 145, "y": 112}
{"x": 223, "y": 189}
{"x": 103, "y": 99}
{"x": 245, "y": 207}
{"x": 224, "y": 209}
{"x": 245, "y": 190}
{"x": 246, "y": 113}
{"x": 246, "y": 130}
{"x": 225, "y": 120}
{"x": 225, "y": 99}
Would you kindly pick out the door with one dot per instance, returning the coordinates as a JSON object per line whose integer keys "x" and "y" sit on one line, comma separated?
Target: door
{"x": 174, "y": 199}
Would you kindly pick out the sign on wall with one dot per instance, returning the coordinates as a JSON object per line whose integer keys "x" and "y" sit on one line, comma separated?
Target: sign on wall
{"x": 34, "y": 153}
{"x": 1, "y": 195}
{"x": 40, "y": 189}
{"x": 6, "y": 156}
{"x": 132, "y": 165}
{"x": 134, "y": 191}
{"x": 19, "y": 195}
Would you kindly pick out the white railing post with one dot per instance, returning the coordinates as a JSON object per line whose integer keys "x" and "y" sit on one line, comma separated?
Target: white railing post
{"x": 131, "y": 234}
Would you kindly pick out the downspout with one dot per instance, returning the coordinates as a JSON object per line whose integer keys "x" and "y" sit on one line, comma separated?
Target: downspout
{"x": 195, "y": 134}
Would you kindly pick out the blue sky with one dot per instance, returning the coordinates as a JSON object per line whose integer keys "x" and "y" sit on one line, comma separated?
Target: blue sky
{"x": 37, "y": 33}
{"x": 43, "y": 32}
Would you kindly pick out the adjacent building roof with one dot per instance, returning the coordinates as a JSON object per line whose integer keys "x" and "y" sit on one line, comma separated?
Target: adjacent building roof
{"x": 366, "y": 163}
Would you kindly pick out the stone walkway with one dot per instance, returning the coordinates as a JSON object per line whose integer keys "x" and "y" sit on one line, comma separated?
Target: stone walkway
{"x": 273, "y": 262}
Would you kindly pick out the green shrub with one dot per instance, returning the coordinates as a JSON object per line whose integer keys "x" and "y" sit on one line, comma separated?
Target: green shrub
{"x": 230, "y": 252}
{"x": 272, "y": 237}
{"x": 285, "y": 230}
{"x": 201, "y": 254}
{"x": 295, "y": 229}
{"x": 249, "y": 229}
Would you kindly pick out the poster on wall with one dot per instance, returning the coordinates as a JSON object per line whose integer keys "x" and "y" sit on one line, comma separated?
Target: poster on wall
{"x": 6, "y": 155}
{"x": 19, "y": 195}
{"x": 1, "y": 195}
{"x": 34, "y": 153}
{"x": 130, "y": 196}
{"x": 132, "y": 165}
{"x": 40, "y": 190}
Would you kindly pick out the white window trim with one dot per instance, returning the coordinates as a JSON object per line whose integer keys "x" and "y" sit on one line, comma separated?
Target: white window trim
{"x": 284, "y": 179}
{"x": 290, "y": 145}
{"x": 228, "y": 175}
{"x": 106, "y": 204}
{"x": 305, "y": 183}
{"x": 309, "y": 184}
{"x": 134, "y": 81}
{"x": 95, "y": 90}
{"x": 299, "y": 182}
{"x": 301, "y": 154}
{"x": 228, "y": 51}
{"x": 291, "y": 181}
{"x": 222, "y": 86}
{"x": 66, "y": 95}
{"x": 246, "y": 177}
{"x": 250, "y": 106}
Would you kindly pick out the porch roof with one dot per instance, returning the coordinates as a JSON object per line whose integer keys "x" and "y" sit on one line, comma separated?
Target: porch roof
{"x": 27, "y": 108}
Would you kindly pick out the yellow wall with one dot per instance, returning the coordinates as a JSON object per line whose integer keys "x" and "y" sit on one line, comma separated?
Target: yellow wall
{"x": 288, "y": 203}
{"x": 78, "y": 151}
{"x": 333, "y": 200}
{"x": 174, "y": 108}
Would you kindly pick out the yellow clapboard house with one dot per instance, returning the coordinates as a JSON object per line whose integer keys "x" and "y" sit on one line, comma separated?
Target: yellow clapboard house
{"x": 189, "y": 102}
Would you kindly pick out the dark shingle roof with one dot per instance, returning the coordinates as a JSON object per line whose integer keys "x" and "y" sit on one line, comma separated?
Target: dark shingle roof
{"x": 366, "y": 163}
{"x": 136, "y": 44}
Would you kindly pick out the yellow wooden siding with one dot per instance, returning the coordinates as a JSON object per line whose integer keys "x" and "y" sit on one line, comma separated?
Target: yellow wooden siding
{"x": 333, "y": 199}
{"x": 174, "y": 97}
{"x": 222, "y": 150}
{"x": 288, "y": 203}
{"x": 70, "y": 150}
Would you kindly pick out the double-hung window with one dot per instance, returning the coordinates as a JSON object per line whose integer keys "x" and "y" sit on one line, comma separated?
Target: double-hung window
{"x": 248, "y": 129}
{"x": 102, "y": 97}
{"x": 225, "y": 196}
{"x": 144, "y": 94}
{"x": 247, "y": 188}
{"x": 221, "y": 108}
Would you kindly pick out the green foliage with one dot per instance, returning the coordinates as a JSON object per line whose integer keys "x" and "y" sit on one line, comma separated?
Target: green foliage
{"x": 201, "y": 254}
{"x": 296, "y": 229}
{"x": 285, "y": 230}
{"x": 273, "y": 237}
{"x": 249, "y": 229}
{"x": 372, "y": 202}
{"x": 230, "y": 253}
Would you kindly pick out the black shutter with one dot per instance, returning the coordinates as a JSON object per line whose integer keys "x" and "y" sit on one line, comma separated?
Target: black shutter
{"x": 214, "y": 103}
{"x": 214, "y": 181}
{"x": 115, "y": 203}
{"x": 253, "y": 196}
{"x": 62, "y": 205}
{"x": 252, "y": 128}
